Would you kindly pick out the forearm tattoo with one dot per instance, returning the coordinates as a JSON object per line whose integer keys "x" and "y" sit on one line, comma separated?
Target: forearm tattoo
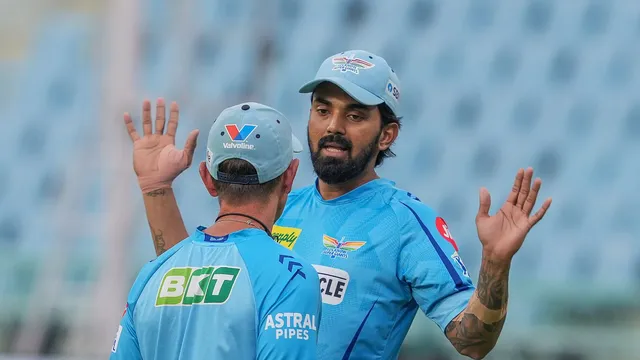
{"x": 475, "y": 332}
{"x": 154, "y": 193}
{"x": 158, "y": 241}
{"x": 158, "y": 235}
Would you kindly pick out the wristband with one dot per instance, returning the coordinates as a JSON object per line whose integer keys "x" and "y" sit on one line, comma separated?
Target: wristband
{"x": 149, "y": 184}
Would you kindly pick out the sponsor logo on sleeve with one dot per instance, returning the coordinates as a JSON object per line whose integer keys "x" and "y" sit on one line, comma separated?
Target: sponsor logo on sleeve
{"x": 286, "y": 236}
{"x": 186, "y": 286}
{"x": 114, "y": 348}
{"x": 443, "y": 229}
{"x": 291, "y": 325}
{"x": 333, "y": 284}
{"x": 458, "y": 260}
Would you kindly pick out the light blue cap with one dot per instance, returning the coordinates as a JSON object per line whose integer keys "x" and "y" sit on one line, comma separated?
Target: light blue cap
{"x": 366, "y": 77}
{"x": 255, "y": 133}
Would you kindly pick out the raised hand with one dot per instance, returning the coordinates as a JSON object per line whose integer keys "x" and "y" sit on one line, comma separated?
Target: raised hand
{"x": 156, "y": 160}
{"x": 502, "y": 234}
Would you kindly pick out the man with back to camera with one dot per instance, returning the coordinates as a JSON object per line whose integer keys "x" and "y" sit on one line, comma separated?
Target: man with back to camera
{"x": 229, "y": 291}
{"x": 380, "y": 253}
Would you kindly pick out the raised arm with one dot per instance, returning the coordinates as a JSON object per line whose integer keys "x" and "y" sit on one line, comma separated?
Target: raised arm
{"x": 475, "y": 331}
{"x": 165, "y": 220}
{"x": 157, "y": 162}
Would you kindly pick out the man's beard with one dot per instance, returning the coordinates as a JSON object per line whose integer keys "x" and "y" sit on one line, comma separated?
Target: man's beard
{"x": 332, "y": 170}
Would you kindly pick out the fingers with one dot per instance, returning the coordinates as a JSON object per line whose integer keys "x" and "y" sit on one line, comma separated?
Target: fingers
{"x": 530, "y": 202}
{"x": 190, "y": 145}
{"x": 160, "y": 116}
{"x": 540, "y": 213}
{"x": 485, "y": 203}
{"x": 515, "y": 190}
{"x": 146, "y": 117}
{"x": 524, "y": 188}
{"x": 131, "y": 129}
{"x": 174, "y": 114}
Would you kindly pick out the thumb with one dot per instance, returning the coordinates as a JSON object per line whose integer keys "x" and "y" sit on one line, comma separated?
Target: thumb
{"x": 190, "y": 145}
{"x": 485, "y": 203}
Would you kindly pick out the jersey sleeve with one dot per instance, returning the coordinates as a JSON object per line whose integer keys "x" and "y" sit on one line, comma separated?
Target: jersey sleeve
{"x": 288, "y": 327}
{"x": 125, "y": 344}
{"x": 430, "y": 264}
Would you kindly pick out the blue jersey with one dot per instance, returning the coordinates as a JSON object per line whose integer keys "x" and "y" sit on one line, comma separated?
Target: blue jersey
{"x": 241, "y": 296}
{"x": 380, "y": 254}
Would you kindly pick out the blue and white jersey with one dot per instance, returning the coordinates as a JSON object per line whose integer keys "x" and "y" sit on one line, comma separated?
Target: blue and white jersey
{"x": 240, "y": 296}
{"x": 380, "y": 254}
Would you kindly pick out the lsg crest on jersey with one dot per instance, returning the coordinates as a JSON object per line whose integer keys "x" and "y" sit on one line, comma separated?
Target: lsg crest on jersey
{"x": 339, "y": 248}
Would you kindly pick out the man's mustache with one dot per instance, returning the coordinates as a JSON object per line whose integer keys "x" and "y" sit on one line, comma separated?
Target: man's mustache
{"x": 335, "y": 139}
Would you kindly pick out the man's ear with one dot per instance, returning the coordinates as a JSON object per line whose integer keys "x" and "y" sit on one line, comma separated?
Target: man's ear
{"x": 388, "y": 136}
{"x": 207, "y": 180}
{"x": 289, "y": 175}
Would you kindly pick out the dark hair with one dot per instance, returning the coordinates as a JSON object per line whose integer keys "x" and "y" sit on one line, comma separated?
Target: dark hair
{"x": 388, "y": 117}
{"x": 237, "y": 194}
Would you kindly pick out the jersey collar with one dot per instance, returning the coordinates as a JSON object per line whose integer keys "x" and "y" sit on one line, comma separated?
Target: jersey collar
{"x": 361, "y": 192}
{"x": 200, "y": 236}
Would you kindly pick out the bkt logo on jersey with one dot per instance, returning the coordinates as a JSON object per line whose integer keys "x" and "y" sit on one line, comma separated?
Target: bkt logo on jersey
{"x": 291, "y": 325}
{"x": 333, "y": 284}
{"x": 339, "y": 248}
{"x": 185, "y": 286}
{"x": 239, "y": 136}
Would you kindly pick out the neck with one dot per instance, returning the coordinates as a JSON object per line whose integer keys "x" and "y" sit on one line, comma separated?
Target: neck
{"x": 332, "y": 191}
{"x": 265, "y": 213}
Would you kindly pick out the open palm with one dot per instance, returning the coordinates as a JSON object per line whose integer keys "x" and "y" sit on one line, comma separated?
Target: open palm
{"x": 503, "y": 234}
{"x": 156, "y": 160}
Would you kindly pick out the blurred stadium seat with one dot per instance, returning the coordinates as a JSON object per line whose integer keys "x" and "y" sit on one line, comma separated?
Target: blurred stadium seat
{"x": 488, "y": 86}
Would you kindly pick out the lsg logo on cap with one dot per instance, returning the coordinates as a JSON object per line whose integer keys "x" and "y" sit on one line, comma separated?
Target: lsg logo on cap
{"x": 351, "y": 63}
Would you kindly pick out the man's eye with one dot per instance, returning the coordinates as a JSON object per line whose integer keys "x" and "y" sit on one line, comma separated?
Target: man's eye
{"x": 323, "y": 111}
{"x": 354, "y": 117}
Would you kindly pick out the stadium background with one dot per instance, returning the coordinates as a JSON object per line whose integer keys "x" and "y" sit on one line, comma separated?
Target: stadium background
{"x": 487, "y": 87}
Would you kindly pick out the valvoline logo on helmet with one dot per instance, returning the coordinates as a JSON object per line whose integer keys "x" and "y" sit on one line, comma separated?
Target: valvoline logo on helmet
{"x": 351, "y": 63}
{"x": 240, "y": 135}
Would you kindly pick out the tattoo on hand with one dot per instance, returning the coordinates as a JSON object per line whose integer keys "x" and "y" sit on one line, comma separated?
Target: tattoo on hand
{"x": 154, "y": 193}
{"x": 158, "y": 240}
{"x": 468, "y": 333}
